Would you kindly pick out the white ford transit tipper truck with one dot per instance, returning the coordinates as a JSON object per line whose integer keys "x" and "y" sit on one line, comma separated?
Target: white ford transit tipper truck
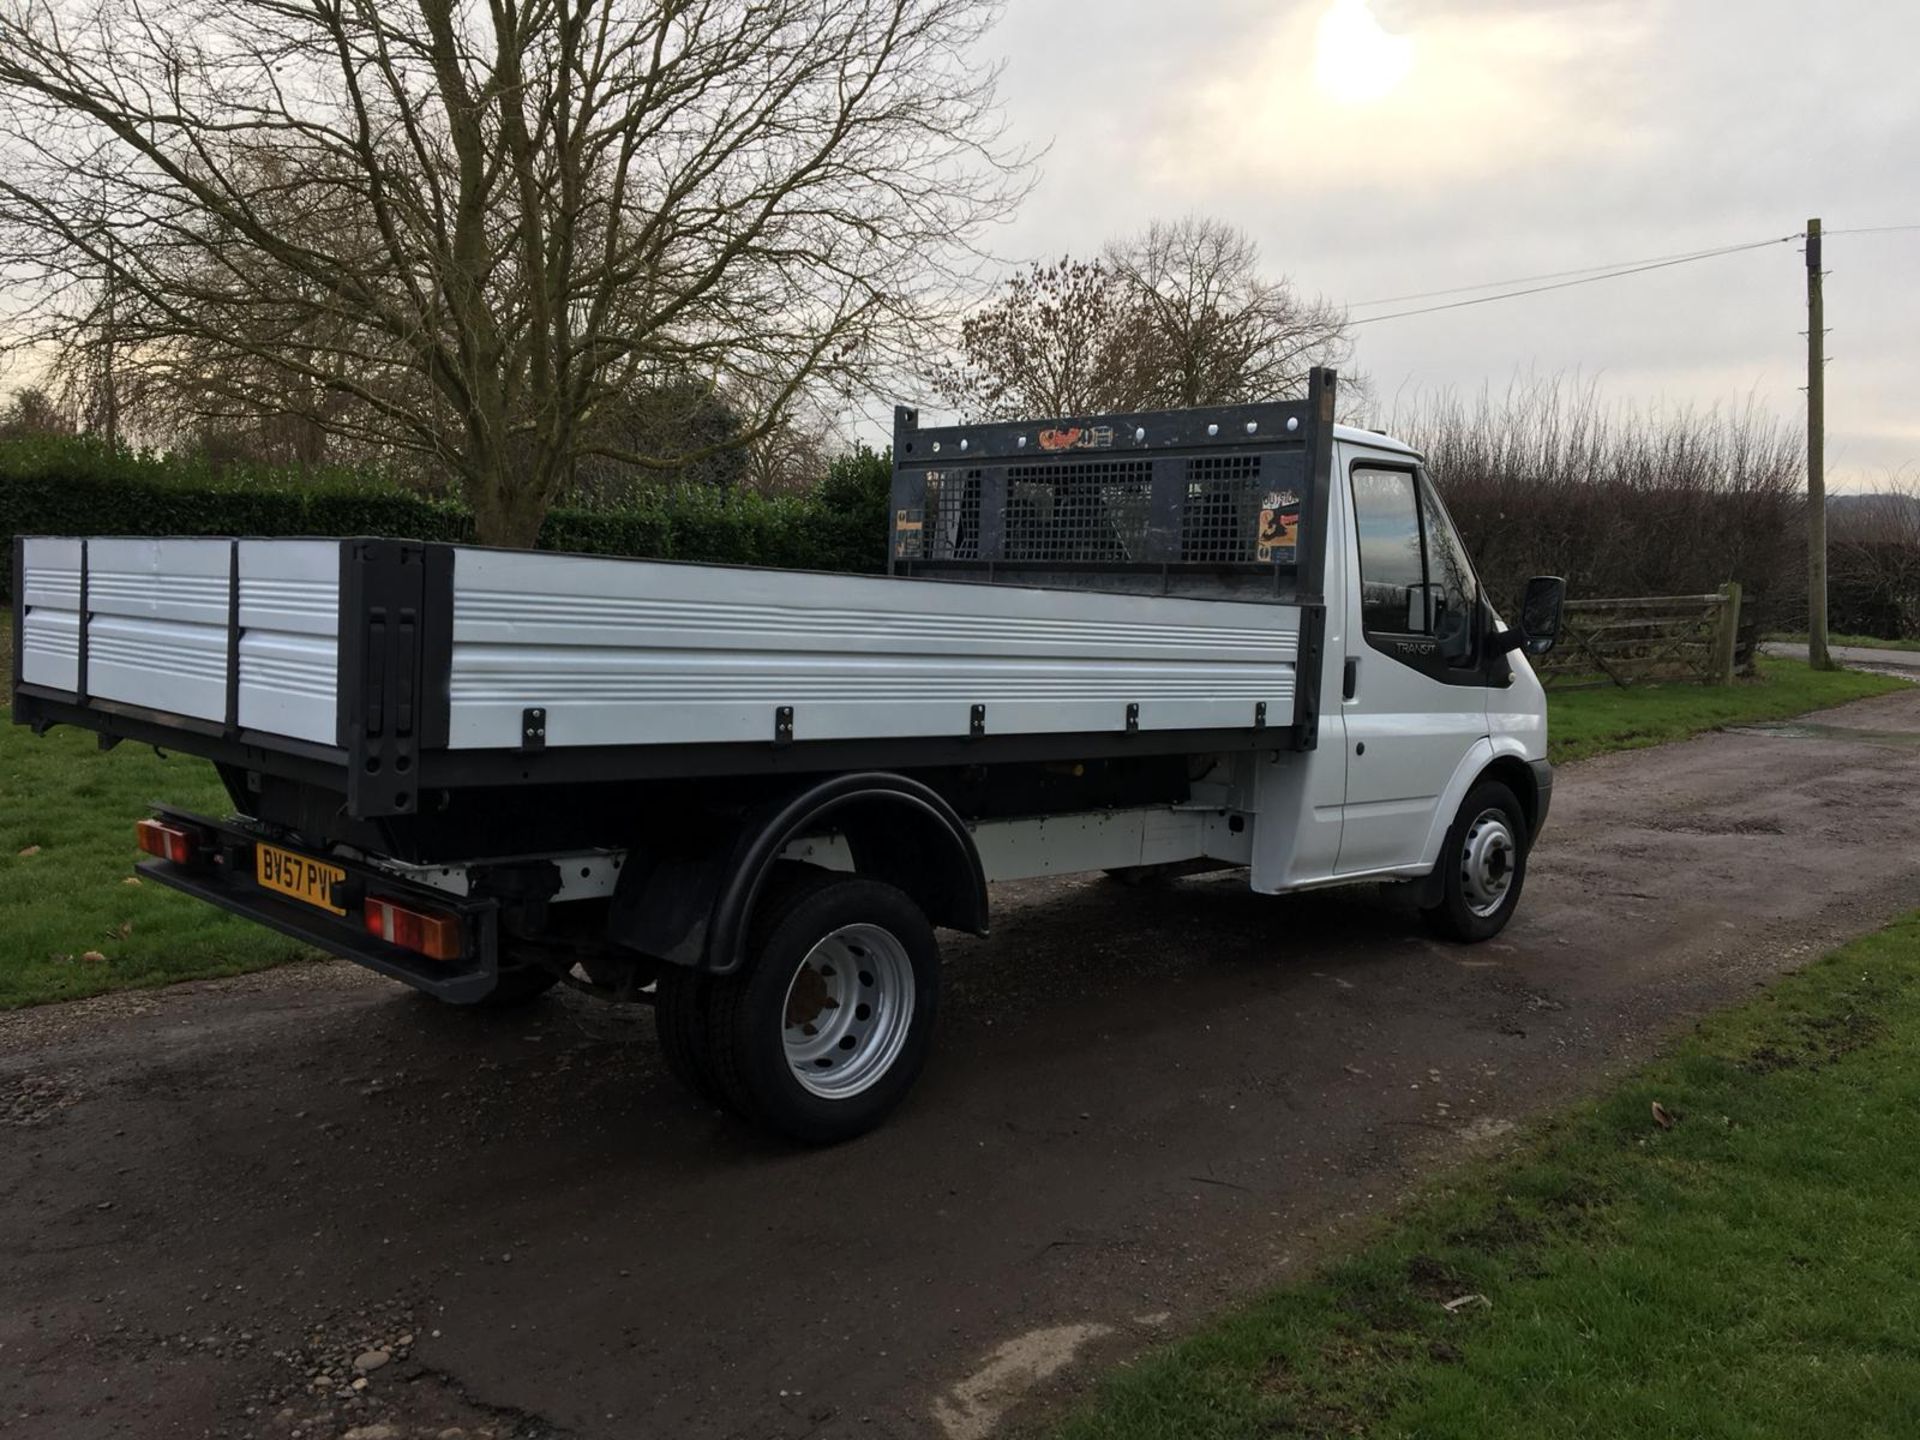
{"x": 1240, "y": 636}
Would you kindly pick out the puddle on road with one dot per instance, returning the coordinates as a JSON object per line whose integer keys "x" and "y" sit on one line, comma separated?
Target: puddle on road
{"x": 1809, "y": 730}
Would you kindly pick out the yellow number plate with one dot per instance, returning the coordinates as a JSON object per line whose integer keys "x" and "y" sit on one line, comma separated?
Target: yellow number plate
{"x": 296, "y": 875}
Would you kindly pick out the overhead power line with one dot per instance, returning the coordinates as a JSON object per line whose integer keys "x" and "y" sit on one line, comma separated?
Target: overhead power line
{"x": 1549, "y": 275}
{"x": 1583, "y": 277}
{"x": 1873, "y": 229}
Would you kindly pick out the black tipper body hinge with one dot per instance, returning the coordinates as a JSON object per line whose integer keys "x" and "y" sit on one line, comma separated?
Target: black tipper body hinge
{"x": 396, "y": 643}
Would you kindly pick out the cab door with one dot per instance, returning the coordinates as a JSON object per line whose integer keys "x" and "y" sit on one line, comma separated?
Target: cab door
{"x": 1415, "y": 691}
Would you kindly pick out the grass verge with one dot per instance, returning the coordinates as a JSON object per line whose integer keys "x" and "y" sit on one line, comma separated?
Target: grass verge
{"x": 1587, "y": 722}
{"x": 74, "y": 920}
{"x": 1754, "y": 1271}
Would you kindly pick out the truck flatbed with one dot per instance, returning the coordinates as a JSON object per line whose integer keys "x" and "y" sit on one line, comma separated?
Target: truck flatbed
{"x": 1127, "y": 606}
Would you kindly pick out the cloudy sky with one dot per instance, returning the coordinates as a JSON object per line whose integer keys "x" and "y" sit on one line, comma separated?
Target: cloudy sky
{"x": 1377, "y": 148}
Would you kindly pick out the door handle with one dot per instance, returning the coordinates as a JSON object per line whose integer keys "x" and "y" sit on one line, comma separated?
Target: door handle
{"x": 1350, "y": 681}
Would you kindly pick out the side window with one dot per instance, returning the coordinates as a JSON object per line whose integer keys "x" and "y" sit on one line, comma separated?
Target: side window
{"x": 1414, "y": 575}
{"x": 1455, "y": 594}
{"x": 1392, "y": 567}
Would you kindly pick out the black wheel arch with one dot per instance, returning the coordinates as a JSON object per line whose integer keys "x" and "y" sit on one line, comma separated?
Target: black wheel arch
{"x": 1531, "y": 782}
{"x": 693, "y": 905}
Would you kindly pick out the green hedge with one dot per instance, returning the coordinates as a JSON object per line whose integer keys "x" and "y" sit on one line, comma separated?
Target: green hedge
{"x": 79, "y": 487}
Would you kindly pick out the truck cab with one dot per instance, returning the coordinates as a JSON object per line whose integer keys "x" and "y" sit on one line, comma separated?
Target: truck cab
{"x": 1423, "y": 695}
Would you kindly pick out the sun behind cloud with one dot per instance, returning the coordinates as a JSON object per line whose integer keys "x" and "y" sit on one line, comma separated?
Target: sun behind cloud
{"x": 1322, "y": 96}
{"x": 1355, "y": 60}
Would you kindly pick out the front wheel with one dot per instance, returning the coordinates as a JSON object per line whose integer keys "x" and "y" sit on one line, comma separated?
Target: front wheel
{"x": 1482, "y": 866}
{"x": 829, "y": 1022}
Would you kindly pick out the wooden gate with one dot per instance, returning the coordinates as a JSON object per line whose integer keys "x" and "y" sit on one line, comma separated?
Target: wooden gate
{"x": 1646, "y": 638}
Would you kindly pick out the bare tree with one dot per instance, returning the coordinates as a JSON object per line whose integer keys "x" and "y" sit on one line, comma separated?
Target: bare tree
{"x": 231, "y": 378}
{"x": 1208, "y": 328}
{"x": 460, "y": 232}
{"x": 795, "y": 451}
{"x": 684, "y": 417}
{"x": 1049, "y": 344}
{"x": 1177, "y": 316}
{"x": 31, "y": 413}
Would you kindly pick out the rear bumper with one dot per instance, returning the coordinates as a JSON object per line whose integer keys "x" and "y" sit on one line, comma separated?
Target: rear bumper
{"x": 223, "y": 874}
{"x": 1542, "y": 795}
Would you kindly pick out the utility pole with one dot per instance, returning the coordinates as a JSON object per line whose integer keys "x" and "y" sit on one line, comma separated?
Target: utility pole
{"x": 1817, "y": 654}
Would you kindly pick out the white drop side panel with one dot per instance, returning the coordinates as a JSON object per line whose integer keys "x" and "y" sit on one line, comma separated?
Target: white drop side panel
{"x": 625, "y": 652}
{"x": 50, "y": 627}
{"x": 157, "y": 632}
{"x": 289, "y": 637}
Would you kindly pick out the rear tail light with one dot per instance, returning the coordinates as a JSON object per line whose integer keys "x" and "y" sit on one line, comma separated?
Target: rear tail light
{"x": 168, "y": 842}
{"x": 425, "y": 932}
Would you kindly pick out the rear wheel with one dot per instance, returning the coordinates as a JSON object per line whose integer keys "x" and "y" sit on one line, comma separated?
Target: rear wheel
{"x": 1482, "y": 866}
{"x": 680, "y": 1020}
{"x": 828, "y": 1023}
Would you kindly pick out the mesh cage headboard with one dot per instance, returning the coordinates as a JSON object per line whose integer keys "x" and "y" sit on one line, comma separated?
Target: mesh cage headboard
{"x": 1209, "y": 500}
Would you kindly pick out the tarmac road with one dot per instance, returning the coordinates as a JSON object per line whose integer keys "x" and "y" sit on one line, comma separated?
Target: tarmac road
{"x": 1865, "y": 657}
{"x": 1144, "y": 1104}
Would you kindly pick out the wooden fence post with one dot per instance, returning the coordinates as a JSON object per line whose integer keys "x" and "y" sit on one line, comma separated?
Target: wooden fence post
{"x": 1726, "y": 634}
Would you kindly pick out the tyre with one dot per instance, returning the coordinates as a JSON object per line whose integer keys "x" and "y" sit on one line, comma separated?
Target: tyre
{"x": 827, "y": 1025}
{"x": 1482, "y": 866}
{"x": 680, "y": 1020}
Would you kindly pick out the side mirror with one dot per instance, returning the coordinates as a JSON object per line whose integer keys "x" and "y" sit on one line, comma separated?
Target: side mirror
{"x": 1540, "y": 612}
{"x": 1539, "y": 625}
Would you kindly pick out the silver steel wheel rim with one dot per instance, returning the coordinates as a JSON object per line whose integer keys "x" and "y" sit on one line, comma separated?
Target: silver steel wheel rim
{"x": 849, "y": 1007}
{"x": 1487, "y": 862}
